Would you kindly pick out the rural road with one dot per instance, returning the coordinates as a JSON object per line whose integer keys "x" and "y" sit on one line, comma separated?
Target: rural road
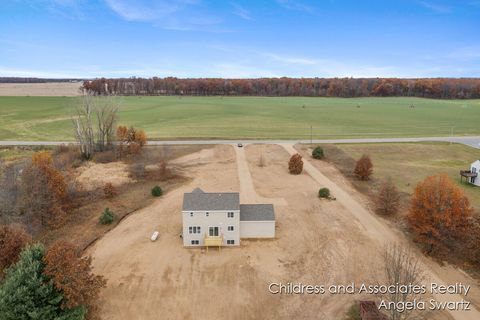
{"x": 472, "y": 141}
{"x": 379, "y": 232}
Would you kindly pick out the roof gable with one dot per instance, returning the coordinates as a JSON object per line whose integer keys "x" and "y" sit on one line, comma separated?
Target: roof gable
{"x": 199, "y": 200}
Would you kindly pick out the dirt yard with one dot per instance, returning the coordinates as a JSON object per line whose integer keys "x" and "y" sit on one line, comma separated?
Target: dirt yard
{"x": 96, "y": 175}
{"x": 317, "y": 242}
{"x": 60, "y": 89}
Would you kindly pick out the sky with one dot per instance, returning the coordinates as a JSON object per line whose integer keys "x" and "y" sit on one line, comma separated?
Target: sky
{"x": 239, "y": 39}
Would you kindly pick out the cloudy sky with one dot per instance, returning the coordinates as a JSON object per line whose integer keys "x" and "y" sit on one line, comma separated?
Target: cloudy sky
{"x": 240, "y": 39}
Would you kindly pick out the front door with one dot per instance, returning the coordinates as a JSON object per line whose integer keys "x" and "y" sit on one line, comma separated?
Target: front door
{"x": 213, "y": 231}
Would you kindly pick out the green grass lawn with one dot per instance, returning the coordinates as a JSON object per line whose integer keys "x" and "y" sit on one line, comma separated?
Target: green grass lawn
{"x": 48, "y": 118}
{"x": 409, "y": 163}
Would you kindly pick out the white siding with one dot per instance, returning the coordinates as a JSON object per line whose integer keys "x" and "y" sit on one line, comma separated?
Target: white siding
{"x": 214, "y": 219}
{"x": 476, "y": 167}
{"x": 257, "y": 229}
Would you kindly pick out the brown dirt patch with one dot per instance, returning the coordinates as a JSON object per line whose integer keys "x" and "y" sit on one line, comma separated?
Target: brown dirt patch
{"x": 92, "y": 176}
{"x": 68, "y": 89}
{"x": 317, "y": 242}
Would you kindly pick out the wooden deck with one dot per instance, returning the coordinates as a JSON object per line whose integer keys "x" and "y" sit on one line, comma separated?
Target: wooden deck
{"x": 213, "y": 241}
{"x": 468, "y": 174}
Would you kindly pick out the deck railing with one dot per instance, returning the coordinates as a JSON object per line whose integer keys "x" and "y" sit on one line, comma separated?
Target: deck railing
{"x": 468, "y": 173}
{"x": 213, "y": 241}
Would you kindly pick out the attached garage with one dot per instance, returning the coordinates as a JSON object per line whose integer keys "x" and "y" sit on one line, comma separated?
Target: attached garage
{"x": 257, "y": 221}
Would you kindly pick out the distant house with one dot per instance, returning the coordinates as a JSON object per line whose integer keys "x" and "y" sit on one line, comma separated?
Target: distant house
{"x": 472, "y": 175}
{"x": 218, "y": 219}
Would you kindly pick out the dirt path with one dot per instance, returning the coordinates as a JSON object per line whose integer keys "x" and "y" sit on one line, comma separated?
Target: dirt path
{"x": 378, "y": 231}
{"x": 248, "y": 194}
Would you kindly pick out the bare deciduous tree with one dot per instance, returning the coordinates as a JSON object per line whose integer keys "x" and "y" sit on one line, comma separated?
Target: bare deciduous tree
{"x": 83, "y": 126}
{"x": 9, "y": 188}
{"x": 402, "y": 268}
{"x": 388, "y": 198}
{"x": 106, "y": 109}
{"x": 94, "y": 118}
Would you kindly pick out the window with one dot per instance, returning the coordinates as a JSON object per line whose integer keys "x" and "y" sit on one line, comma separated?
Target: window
{"x": 206, "y": 214}
{"x": 195, "y": 242}
{"x": 230, "y": 228}
{"x": 230, "y": 241}
{"x": 191, "y": 214}
{"x": 213, "y": 231}
{"x": 194, "y": 229}
{"x": 229, "y": 214}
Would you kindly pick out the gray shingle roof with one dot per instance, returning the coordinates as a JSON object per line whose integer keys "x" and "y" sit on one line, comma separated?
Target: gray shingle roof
{"x": 257, "y": 212}
{"x": 198, "y": 200}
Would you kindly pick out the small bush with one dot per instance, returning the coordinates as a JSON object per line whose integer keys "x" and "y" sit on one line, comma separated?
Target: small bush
{"x": 318, "y": 153}
{"x": 324, "y": 193}
{"x": 77, "y": 163}
{"x": 62, "y": 148}
{"x": 64, "y": 156}
{"x": 105, "y": 156}
{"x": 295, "y": 165}
{"x": 107, "y": 217}
{"x": 137, "y": 170}
{"x": 157, "y": 191}
{"x": 163, "y": 171}
{"x": 109, "y": 190}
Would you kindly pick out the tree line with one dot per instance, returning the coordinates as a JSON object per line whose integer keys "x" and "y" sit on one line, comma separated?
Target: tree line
{"x": 440, "y": 88}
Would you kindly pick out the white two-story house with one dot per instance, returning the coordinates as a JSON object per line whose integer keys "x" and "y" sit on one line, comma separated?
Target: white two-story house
{"x": 218, "y": 219}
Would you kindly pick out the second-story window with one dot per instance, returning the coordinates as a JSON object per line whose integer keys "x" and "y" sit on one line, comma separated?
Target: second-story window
{"x": 230, "y": 228}
{"x": 206, "y": 214}
{"x": 229, "y": 214}
{"x": 191, "y": 214}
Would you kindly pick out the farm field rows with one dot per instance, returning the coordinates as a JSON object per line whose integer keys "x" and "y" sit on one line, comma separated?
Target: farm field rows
{"x": 48, "y": 118}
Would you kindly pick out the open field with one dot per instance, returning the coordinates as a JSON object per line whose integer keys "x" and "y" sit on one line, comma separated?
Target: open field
{"x": 409, "y": 163}
{"x": 48, "y": 118}
{"x": 316, "y": 242}
{"x": 52, "y": 89}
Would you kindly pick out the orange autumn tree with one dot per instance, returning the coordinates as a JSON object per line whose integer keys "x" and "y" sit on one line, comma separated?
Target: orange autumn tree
{"x": 363, "y": 168}
{"x": 13, "y": 238}
{"x": 295, "y": 164}
{"x": 439, "y": 213}
{"x": 44, "y": 191}
{"x": 72, "y": 275}
{"x": 56, "y": 182}
{"x": 130, "y": 140}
